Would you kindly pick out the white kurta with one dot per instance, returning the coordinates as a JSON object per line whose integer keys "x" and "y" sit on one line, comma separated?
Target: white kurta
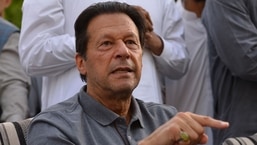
{"x": 193, "y": 91}
{"x": 47, "y": 47}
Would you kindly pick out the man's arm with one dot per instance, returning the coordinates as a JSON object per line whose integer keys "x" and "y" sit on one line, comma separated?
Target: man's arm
{"x": 167, "y": 45}
{"x": 45, "y": 49}
{"x": 14, "y": 86}
{"x": 234, "y": 35}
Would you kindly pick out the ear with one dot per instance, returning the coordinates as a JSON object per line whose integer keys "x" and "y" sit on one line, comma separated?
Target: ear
{"x": 80, "y": 63}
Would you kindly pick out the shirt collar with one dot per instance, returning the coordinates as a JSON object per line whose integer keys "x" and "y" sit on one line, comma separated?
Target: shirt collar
{"x": 103, "y": 115}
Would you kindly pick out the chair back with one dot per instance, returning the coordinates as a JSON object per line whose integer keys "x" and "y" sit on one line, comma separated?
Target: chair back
{"x": 246, "y": 140}
{"x": 14, "y": 133}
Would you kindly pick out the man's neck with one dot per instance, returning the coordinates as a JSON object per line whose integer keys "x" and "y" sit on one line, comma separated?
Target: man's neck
{"x": 119, "y": 106}
{"x": 116, "y": 104}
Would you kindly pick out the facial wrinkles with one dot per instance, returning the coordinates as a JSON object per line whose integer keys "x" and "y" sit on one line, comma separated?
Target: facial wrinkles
{"x": 112, "y": 31}
{"x": 114, "y": 34}
{"x": 115, "y": 30}
{"x": 112, "y": 22}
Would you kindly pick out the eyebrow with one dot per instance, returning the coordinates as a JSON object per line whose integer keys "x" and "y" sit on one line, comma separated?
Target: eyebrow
{"x": 129, "y": 34}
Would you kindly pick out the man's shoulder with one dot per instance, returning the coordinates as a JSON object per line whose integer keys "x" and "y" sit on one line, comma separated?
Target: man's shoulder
{"x": 6, "y": 29}
{"x": 157, "y": 109}
{"x": 63, "y": 110}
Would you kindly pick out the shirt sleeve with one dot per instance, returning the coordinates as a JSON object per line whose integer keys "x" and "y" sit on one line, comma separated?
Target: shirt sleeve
{"x": 173, "y": 62}
{"x": 235, "y": 37}
{"x": 45, "y": 48}
{"x": 14, "y": 83}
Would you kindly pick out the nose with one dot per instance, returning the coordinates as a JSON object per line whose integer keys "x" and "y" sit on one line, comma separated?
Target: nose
{"x": 122, "y": 51}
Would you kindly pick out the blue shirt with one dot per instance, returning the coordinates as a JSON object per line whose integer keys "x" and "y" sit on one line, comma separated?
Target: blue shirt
{"x": 6, "y": 29}
{"x": 81, "y": 120}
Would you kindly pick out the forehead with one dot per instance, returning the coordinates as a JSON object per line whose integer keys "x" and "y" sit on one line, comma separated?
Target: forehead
{"x": 115, "y": 21}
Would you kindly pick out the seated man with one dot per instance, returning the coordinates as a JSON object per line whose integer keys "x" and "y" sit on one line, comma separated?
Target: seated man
{"x": 109, "y": 41}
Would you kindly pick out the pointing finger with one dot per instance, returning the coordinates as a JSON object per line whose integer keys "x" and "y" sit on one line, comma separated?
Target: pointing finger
{"x": 210, "y": 122}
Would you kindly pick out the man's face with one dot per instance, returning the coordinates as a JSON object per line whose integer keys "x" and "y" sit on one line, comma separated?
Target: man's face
{"x": 114, "y": 55}
{"x": 3, "y": 5}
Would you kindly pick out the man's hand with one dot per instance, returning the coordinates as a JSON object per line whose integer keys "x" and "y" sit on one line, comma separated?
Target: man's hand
{"x": 189, "y": 123}
{"x": 152, "y": 41}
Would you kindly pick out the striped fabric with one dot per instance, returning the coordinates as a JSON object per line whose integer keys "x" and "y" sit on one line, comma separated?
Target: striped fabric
{"x": 248, "y": 140}
{"x": 14, "y": 133}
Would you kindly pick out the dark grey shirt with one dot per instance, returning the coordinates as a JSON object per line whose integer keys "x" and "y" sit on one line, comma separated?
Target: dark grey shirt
{"x": 232, "y": 29}
{"x": 81, "y": 120}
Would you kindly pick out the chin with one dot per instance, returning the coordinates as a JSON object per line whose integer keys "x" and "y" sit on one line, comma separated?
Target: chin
{"x": 128, "y": 88}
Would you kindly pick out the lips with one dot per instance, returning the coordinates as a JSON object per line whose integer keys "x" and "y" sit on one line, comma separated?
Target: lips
{"x": 122, "y": 69}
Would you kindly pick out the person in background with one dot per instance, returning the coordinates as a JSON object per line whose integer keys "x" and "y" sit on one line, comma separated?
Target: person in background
{"x": 193, "y": 91}
{"x": 232, "y": 40}
{"x": 47, "y": 47}
{"x": 109, "y": 46}
{"x": 14, "y": 83}
{"x": 34, "y": 99}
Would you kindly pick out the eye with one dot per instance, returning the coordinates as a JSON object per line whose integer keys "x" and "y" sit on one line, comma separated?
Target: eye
{"x": 106, "y": 43}
{"x": 130, "y": 42}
